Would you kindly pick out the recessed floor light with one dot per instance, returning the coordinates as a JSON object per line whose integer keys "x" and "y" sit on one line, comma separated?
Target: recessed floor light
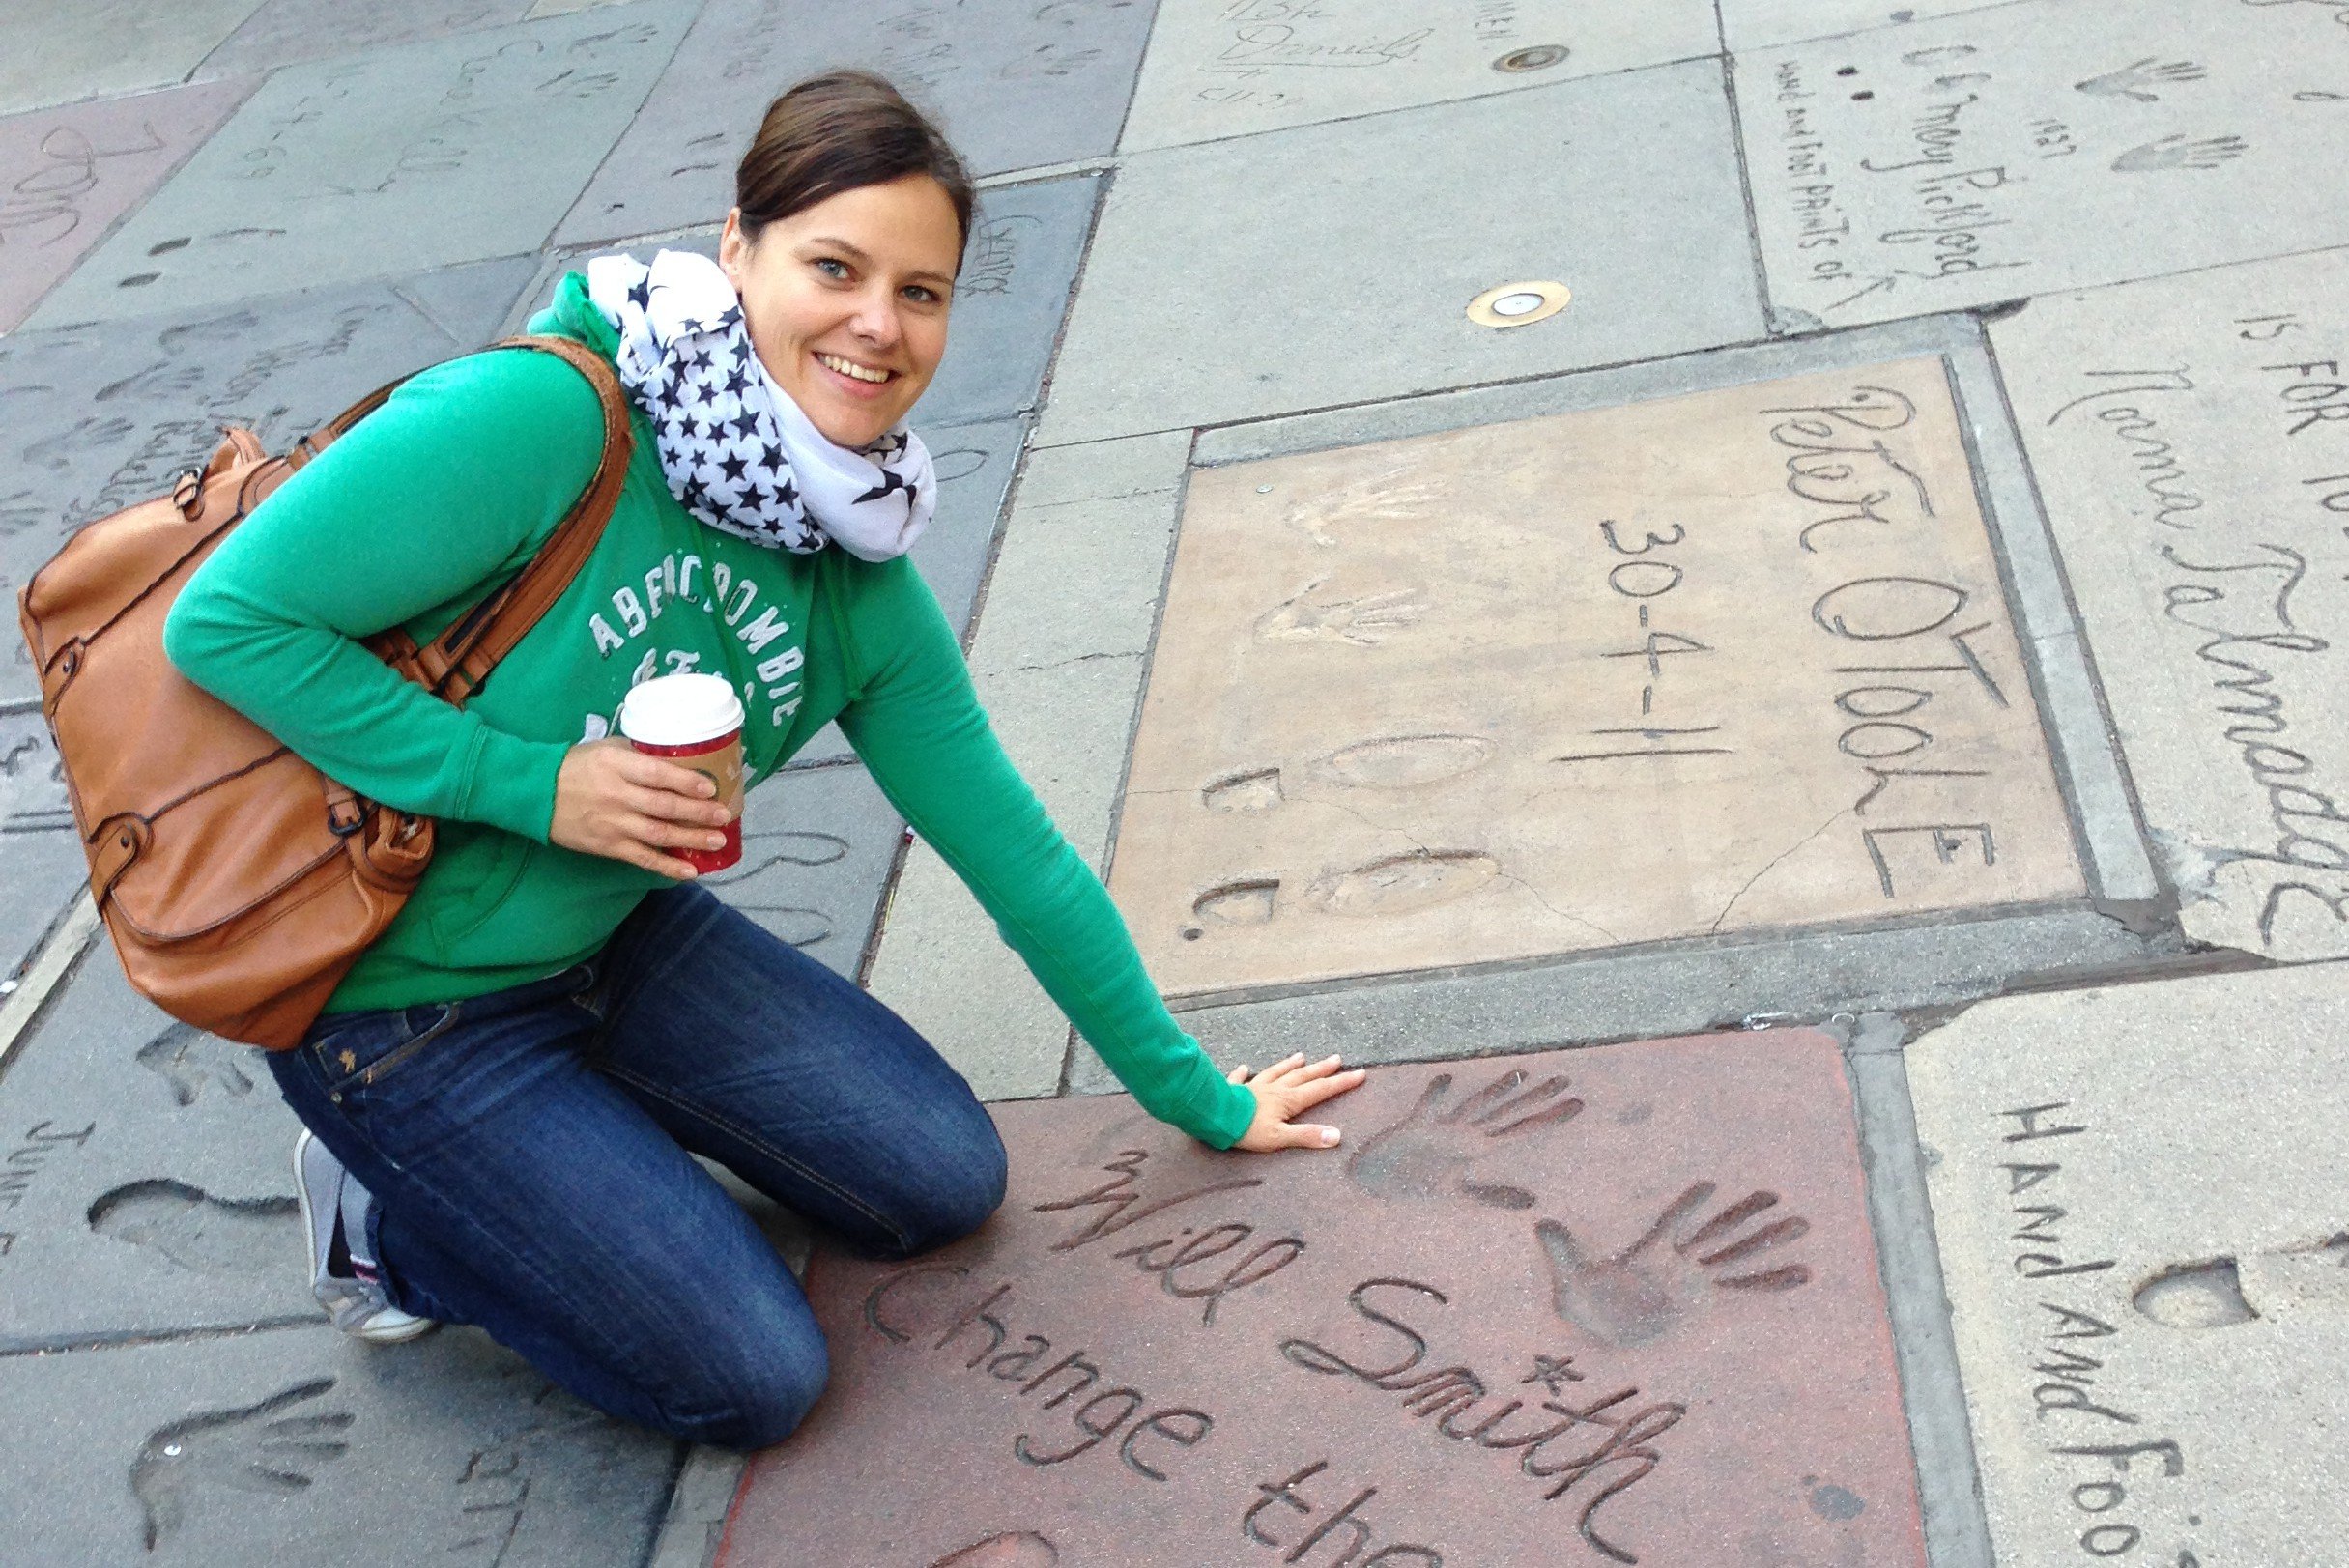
{"x": 1517, "y": 304}
{"x": 1539, "y": 57}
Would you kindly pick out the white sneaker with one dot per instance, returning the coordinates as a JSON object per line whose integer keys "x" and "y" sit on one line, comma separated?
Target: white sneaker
{"x": 354, "y": 1301}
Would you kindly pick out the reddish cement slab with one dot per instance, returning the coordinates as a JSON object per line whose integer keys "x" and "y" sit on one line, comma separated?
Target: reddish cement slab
{"x": 1603, "y": 1307}
{"x": 66, "y": 174}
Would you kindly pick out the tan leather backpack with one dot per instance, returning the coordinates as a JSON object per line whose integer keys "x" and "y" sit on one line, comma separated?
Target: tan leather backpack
{"x": 239, "y": 883}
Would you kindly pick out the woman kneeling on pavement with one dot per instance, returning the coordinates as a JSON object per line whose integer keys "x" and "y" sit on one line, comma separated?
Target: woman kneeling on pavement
{"x": 503, "y": 1097}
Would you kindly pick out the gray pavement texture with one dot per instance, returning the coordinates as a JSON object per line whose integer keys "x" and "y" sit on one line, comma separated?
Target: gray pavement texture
{"x": 2097, "y": 1131}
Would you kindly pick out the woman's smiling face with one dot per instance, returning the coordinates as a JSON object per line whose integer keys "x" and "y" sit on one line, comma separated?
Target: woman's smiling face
{"x": 846, "y": 301}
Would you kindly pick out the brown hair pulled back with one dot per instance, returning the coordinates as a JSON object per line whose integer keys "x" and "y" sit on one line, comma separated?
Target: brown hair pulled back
{"x": 842, "y": 131}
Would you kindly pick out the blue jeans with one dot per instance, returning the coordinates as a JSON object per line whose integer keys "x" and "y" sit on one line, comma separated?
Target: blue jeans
{"x": 528, "y": 1153}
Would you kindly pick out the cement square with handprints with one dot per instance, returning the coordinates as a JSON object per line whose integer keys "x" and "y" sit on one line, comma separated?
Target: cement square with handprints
{"x": 382, "y": 163}
{"x": 1727, "y": 661}
{"x": 69, "y": 174}
{"x": 1999, "y": 153}
{"x": 1608, "y": 1306}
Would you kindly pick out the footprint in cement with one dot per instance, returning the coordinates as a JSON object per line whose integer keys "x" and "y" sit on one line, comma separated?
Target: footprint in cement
{"x": 1403, "y": 884}
{"x": 1234, "y": 903}
{"x": 202, "y": 1233}
{"x": 1406, "y": 761}
{"x": 1393, "y": 885}
{"x": 2207, "y": 1294}
{"x": 1253, "y": 789}
{"x": 1381, "y": 762}
{"x": 190, "y": 1061}
{"x": 1016, "y": 1549}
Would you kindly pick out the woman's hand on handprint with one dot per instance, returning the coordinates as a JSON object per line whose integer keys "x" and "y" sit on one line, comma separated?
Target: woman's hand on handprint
{"x": 1286, "y": 1089}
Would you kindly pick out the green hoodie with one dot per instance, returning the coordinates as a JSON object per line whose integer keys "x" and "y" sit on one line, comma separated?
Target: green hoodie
{"x": 446, "y": 492}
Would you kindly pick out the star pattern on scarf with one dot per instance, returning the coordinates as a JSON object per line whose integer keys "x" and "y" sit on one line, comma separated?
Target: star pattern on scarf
{"x": 891, "y": 483}
{"x": 690, "y": 365}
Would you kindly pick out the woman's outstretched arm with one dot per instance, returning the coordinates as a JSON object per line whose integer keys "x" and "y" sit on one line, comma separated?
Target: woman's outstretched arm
{"x": 915, "y": 720}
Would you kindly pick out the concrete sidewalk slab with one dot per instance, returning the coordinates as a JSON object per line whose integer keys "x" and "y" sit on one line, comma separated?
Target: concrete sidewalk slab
{"x": 42, "y": 865}
{"x": 1774, "y": 683}
{"x": 2190, "y": 437}
{"x": 67, "y": 175}
{"x": 2087, "y": 764}
{"x": 151, "y": 1190}
{"x": 301, "y": 1446}
{"x": 43, "y": 873}
{"x": 2014, "y": 151}
{"x": 1018, "y": 274}
{"x": 289, "y": 32}
{"x": 1715, "y": 984}
{"x": 1013, "y": 87}
{"x": 50, "y": 56}
{"x": 975, "y": 464}
{"x": 1058, "y": 661}
{"x": 1217, "y": 69}
{"x": 1333, "y": 264}
{"x": 2140, "y": 1214}
{"x": 97, "y": 417}
{"x": 384, "y": 164}
{"x": 1757, "y": 24}
{"x": 1554, "y": 1310}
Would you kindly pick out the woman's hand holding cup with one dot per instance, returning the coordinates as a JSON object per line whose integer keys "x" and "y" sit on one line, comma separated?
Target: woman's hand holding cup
{"x": 616, "y": 801}
{"x": 652, "y": 795}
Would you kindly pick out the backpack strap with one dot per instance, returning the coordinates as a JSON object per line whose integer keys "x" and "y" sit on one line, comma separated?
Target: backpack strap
{"x": 454, "y": 665}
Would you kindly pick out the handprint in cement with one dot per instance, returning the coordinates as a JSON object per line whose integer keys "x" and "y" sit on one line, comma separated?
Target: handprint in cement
{"x": 1432, "y": 1150}
{"x": 1680, "y": 1266}
{"x": 2143, "y": 79}
{"x": 254, "y": 1449}
{"x": 192, "y": 1062}
{"x": 1363, "y": 622}
{"x": 2178, "y": 153}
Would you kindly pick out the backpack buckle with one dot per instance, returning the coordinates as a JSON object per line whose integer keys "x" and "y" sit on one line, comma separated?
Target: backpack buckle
{"x": 345, "y": 816}
{"x": 187, "y": 494}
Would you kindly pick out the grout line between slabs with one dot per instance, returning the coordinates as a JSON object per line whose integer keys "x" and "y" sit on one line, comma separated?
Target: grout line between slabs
{"x": 1134, "y": 85}
{"x": 689, "y": 1528}
{"x": 123, "y": 1339}
{"x": 2012, "y": 427}
{"x": 1134, "y": 718}
{"x": 1745, "y": 188}
{"x": 2091, "y": 773}
{"x": 1505, "y": 89}
{"x": 1925, "y": 1349}
{"x": 171, "y": 172}
{"x": 546, "y": 242}
{"x": 1863, "y": 31}
{"x": 55, "y": 959}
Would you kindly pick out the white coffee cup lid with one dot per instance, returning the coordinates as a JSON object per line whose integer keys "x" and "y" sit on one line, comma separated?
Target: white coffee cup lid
{"x": 680, "y": 710}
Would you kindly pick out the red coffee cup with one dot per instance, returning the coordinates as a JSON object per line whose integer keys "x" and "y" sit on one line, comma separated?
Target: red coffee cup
{"x": 696, "y": 721}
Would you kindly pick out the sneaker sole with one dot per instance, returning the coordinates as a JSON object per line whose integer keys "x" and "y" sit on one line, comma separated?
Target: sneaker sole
{"x": 377, "y": 1331}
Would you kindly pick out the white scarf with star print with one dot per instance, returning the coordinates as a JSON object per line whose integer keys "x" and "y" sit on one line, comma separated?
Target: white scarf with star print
{"x": 738, "y": 453}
